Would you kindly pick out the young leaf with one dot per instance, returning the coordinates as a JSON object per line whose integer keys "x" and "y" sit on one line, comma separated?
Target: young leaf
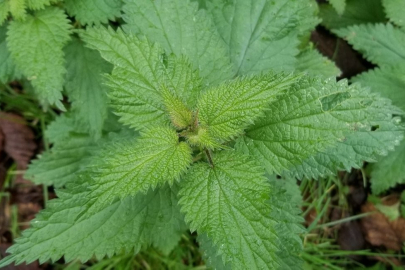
{"x": 59, "y": 165}
{"x": 225, "y": 111}
{"x": 138, "y": 76}
{"x": 356, "y": 12}
{"x": 313, "y": 63}
{"x": 131, "y": 166}
{"x": 388, "y": 81}
{"x": 84, "y": 85}
{"x": 381, "y": 44}
{"x": 389, "y": 171}
{"x": 262, "y": 35}
{"x": 181, "y": 29}
{"x": 395, "y": 11}
{"x": 313, "y": 116}
{"x": 93, "y": 11}
{"x": 229, "y": 203}
{"x": 8, "y": 70}
{"x": 125, "y": 225}
{"x": 36, "y": 47}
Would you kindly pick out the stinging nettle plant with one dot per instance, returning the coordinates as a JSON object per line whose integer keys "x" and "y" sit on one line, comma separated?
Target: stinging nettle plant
{"x": 213, "y": 110}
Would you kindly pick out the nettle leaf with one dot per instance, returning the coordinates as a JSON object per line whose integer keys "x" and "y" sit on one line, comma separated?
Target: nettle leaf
{"x": 141, "y": 78}
{"x": 395, "y": 11}
{"x": 94, "y": 11}
{"x": 262, "y": 35}
{"x": 313, "y": 116}
{"x": 17, "y": 9}
{"x": 126, "y": 225}
{"x": 39, "y": 4}
{"x": 229, "y": 203}
{"x": 360, "y": 146}
{"x": 225, "y": 111}
{"x": 381, "y": 44}
{"x": 311, "y": 62}
{"x": 388, "y": 81}
{"x": 36, "y": 47}
{"x": 8, "y": 69}
{"x": 4, "y": 9}
{"x": 85, "y": 87}
{"x": 356, "y": 12}
{"x": 389, "y": 171}
{"x": 181, "y": 29}
{"x": 59, "y": 165}
{"x": 338, "y": 5}
{"x": 131, "y": 166}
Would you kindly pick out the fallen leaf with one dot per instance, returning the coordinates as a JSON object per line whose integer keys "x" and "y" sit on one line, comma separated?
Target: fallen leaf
{"x": 18, "y": 139}
{"x": 379, "y": 231}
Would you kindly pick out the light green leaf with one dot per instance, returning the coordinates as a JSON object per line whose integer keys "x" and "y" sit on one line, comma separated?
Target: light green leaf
{"x": 356, "y": 12}
{"x": 84, "y": 85}
{"x": 229, "y": 203}
{"x": 94, "y": 11}
{"x": 180, "y": 28}
{"x": 36, "y": 47}
{"x": 313, "y": 63}
{"x": 389, "y": 171}
{"x": 8, "y": 70}
{"x": 381, "y": 44}
{"x": 126, "y": 225}
{"x": 140, "y": 73}
{"x": 225, "y": 111}
{"x": 388, "y": 81}
{"x": 61, "y": 164}
{"x": 313, "y": 116}
{"x": 395, "y": 11}
{"x": 338, "y": 5}
{"x": 129, "y": 167}
{"x": 17, "y": 9}
{"x": 262, "y": 35}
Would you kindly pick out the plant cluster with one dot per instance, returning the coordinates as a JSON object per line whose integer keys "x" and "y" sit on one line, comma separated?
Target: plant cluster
{"x": 180, "y": 114}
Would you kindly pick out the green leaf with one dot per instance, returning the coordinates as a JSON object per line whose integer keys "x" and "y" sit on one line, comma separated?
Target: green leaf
{"x": 262, "y": 35}
{"x": 210, "y": 254}
{"x": 225, "y": 111}
{"x": 395, "y": 11}
{"x": 84, "y": 85}
{"x": 388, "y": 81}
{"x": 356, "y": 12}
{"x": 17, "y": 9}
{"x": 389, "y": 171}
{"x": 142, "y": 76}
{"x": 309, "y": 118}
{"x": 36, "y": 47}
{"x": 229, "y": 203}
{"x": 8, "y": 70}
{"x": 39, "y": 4}
{"x": 338, "y": 5}
{"x": 313, "y": 63}
{"x": 4, "y": 9}
{"x": 381, "y": 44}
{"x": 59, "y": 165}
{"x": 94, "y": 11}
{"x": 126, "y": 225}
{"x": 128, "y": 167}
{"x": 363, "y": 145}
{"x": 180, "y": 28}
